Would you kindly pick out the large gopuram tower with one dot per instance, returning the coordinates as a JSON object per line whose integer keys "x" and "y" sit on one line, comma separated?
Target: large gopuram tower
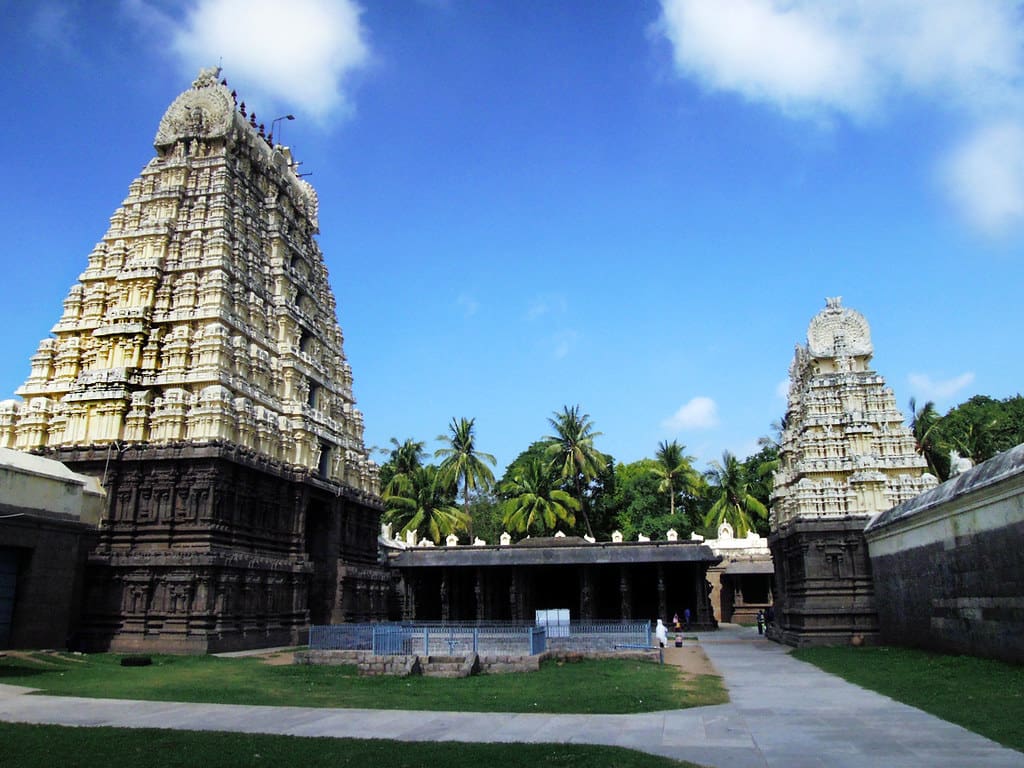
{"x": 198, "y": 369}
{"x": 846, "y": 456}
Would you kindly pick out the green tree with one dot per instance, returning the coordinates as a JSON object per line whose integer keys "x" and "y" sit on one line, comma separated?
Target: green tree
{"x": 463, "y": 464}
{"x": 923, "y": 423}
{"x": 674, "y": 470}
{"x": 639, "y": 502}
{"x": 572, "y": 452}
{"x": 733, "y": 502}
{"x": 425, "y": 504}
{"x": 405, "y": 458}
{"x": 534, "y": 502}
{"x": 486, "y": 511}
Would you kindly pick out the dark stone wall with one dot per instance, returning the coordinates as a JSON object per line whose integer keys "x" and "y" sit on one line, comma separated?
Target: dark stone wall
{"x": 215, "y": 547}
{"x": 51, "y": 557}
{"x": 823, "y": 580}
{"x": 960, "y": 596}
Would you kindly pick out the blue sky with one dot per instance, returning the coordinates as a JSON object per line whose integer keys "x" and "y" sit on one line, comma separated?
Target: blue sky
{"x": 636, "y": 207}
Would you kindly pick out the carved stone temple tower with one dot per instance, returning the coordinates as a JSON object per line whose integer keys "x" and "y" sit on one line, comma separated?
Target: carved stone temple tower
{"x": 198, "y": 369}
{"x": 846, "y": 456}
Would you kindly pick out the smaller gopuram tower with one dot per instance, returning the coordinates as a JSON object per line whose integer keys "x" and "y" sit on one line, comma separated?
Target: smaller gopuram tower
{"x": 846, "y": 456}
{"x": 198, "y": 370}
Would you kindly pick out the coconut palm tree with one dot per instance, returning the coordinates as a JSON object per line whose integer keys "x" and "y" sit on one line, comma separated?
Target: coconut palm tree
{"x": 923, "y": 425}
{"x": 423, "y": 504}
{"x": 733, "y": 501}
{"x": 462, "y": 464}
{"x": 406, "y": 457}
{"x": 534, "y": 501}
{"x": 573, "y": 454}
{"x": 674, "y": 470}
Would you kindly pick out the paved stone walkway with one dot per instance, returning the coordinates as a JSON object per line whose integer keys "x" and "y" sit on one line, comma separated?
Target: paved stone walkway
{"x": 783, "y": 713}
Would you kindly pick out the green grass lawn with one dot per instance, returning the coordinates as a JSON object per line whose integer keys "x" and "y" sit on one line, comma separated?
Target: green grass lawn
{"x": 45, "y": 746}
{"x": 982, "y": 695}
{"x": 585, "y": 687}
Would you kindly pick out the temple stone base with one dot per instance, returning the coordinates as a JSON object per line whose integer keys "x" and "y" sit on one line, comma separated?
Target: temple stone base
{"x": 179, "y": 607}
{"x": 214, "y": 547}
{"x": 824, "y": 589}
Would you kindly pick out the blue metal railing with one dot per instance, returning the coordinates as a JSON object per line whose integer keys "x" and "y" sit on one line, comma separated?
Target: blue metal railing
{"x": 437, "y": 638}
{"x": 341, "y": 637}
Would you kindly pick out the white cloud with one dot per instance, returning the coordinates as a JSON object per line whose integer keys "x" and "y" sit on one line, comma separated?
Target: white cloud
{"x": 546, "y": 304}
{"x": 845, "y": 55}
{"x": 469, "y": 305}
{"x": 699, "y": 413}
{"x": 985, "y": 177}
{"x": 296, "y": 54}
{"x": 562, "y": 343}
{"x": 52, "y": 25}
{"x": 787, "y": 56}
{"x": 925, "y": 388}
{"x": 782, "y": 389}
{"x": 849, "y": 58}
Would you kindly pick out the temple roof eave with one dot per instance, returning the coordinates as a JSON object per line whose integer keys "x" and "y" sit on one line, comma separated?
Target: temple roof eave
{"x": 631, "y": 553}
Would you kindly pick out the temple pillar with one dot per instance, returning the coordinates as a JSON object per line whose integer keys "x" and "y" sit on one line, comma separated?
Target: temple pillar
{"x": 445, "y": 594}
{"x": 478, "y": 593}
{"x": 514, "y": 590}
{"x": 703, "y": 614}
{"x": 586, "y": 593}
{"x": 662, "y": 602}
{"x": 625, "y": 589}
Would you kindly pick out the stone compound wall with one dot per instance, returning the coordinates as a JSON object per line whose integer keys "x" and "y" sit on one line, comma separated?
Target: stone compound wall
{"x": 48, "y": 526}
{"x": 949, "y": 575}
{"x": 365, "y": 661}
{"x": 411, "y": 664}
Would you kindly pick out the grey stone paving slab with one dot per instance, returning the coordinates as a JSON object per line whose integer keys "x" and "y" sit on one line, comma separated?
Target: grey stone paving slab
{"x": 783, "y": 713}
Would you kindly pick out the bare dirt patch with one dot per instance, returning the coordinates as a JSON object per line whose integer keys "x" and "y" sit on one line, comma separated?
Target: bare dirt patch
{"x": 689, "y": 658}
{"x": 279, "y": 659}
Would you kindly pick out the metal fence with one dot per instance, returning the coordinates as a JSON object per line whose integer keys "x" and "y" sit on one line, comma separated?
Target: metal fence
{"x": 603, "y": 636}
{"x": 450, "y": 639}
{"x": 341, "y": 637}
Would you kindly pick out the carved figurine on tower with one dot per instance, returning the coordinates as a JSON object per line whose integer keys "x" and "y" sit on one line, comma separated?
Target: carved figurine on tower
{"x": 198, "y": 369}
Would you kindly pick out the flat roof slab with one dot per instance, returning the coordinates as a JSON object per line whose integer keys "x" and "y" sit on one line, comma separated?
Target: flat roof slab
{"x": 604, "y": 553}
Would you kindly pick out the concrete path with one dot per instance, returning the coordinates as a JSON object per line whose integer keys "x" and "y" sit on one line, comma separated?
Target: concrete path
{"x": 783, "y": 713}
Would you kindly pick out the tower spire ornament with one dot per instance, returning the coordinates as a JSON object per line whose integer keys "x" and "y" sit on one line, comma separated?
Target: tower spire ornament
{"x": 198, "y": 366}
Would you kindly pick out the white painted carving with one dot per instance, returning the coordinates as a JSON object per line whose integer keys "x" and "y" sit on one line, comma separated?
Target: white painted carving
{"x": 845, "y": 449}
{"x": 838, "y": 331}
{"x": 177, "y": 297}
{"x": 958, "y": 464}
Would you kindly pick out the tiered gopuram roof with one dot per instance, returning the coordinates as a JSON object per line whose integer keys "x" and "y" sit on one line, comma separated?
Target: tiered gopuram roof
{"x": 205, "y": 313}
{"x": 845, "y": 449}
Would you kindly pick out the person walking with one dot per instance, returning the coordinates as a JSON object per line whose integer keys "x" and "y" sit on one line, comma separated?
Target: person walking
{"x": 661, "y": 633}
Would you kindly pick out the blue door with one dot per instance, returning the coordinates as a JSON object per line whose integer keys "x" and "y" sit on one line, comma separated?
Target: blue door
{"x": 8, "y": 577}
